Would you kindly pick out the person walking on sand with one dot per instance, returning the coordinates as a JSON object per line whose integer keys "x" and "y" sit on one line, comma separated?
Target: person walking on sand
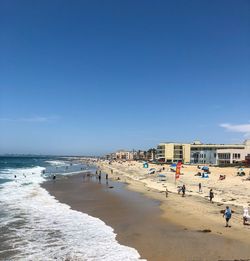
{"x": 183, "y": 189}
{"x": 227, "y": 214}
{"x": 107, "y": 176}
{"x": 211, "y": 195}
{"x": 166, "y": 192}
{"x": 200, "y": 190}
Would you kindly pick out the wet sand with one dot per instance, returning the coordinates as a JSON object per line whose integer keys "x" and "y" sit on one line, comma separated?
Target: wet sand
{"x": 139, "y": 222}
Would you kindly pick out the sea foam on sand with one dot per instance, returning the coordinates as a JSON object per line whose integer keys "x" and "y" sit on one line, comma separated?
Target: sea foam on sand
{"x": 38, "y": 227}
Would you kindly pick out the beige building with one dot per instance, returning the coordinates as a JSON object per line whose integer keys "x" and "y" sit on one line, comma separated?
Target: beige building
{"x": 124, "y": 155}
{"x": 173, "y": 152}
{"x": 199, "y": 153}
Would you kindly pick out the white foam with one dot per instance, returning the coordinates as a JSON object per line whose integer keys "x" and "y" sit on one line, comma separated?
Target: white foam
{"x": 57, "y": 163}
{"x": 23, "y": 174}
{"x": 52, "y": 230}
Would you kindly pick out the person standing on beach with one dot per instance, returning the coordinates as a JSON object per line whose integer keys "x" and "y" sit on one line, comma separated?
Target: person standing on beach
{"x": 183, "y": 190}
{"x": 211, "y": 195}
{"x": 246, "y": 215}
{"x": 227, "y": 214}
{"x": 107, "y": 176}
{"x": 166, "y": 192}
{"x": 99, "y": 177}
{"x": 200, "y": 190}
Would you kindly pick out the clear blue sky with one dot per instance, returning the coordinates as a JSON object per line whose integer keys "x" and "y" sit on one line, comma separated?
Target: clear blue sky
{"x": 89, "y": 77}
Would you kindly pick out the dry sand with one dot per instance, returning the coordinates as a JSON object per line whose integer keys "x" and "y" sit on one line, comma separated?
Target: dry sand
{"x": 194, "y": 211}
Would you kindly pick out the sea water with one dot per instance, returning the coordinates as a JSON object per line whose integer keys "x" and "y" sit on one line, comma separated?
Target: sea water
{"x": 35, "y": 226}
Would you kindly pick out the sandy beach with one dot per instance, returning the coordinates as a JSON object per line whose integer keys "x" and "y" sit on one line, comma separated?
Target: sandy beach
{"x": 234, "y": 191}
{"x": 160, "y": 228}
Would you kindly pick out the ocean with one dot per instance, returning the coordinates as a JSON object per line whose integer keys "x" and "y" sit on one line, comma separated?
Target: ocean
{"x": 35, "y": 226}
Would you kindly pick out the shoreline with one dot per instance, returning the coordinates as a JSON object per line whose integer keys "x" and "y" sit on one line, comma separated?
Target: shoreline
{"x": 158, "y": 241}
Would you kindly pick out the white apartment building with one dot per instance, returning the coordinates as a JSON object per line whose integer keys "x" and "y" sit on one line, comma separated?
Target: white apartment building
{"x": 199, "y": 153}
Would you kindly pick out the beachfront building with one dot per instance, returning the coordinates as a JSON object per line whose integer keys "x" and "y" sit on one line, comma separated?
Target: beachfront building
{"x": 247, "y": 160}
{"x": 119, "y": 155}
{"x": 149, "y": 155}
{"x": 110, "y": 156}
{"x": 138, "y": 155}
{"x": 199, "y": 153}
{"x": 124, "y": 155}
{"x": 173, "y": 152}
{"x": 219, "y": 154}
{"x": 127, "y": 155}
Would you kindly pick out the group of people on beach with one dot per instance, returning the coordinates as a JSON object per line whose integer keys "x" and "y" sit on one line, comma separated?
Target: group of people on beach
{"x": 99, "y": 176}
{"x": 227, "y": 213}
{"x": 182, "y": 189}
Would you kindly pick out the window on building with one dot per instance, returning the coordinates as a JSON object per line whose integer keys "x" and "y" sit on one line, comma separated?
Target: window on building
{"x": 236, "y": 156}
{"x": 224, "y": 156}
